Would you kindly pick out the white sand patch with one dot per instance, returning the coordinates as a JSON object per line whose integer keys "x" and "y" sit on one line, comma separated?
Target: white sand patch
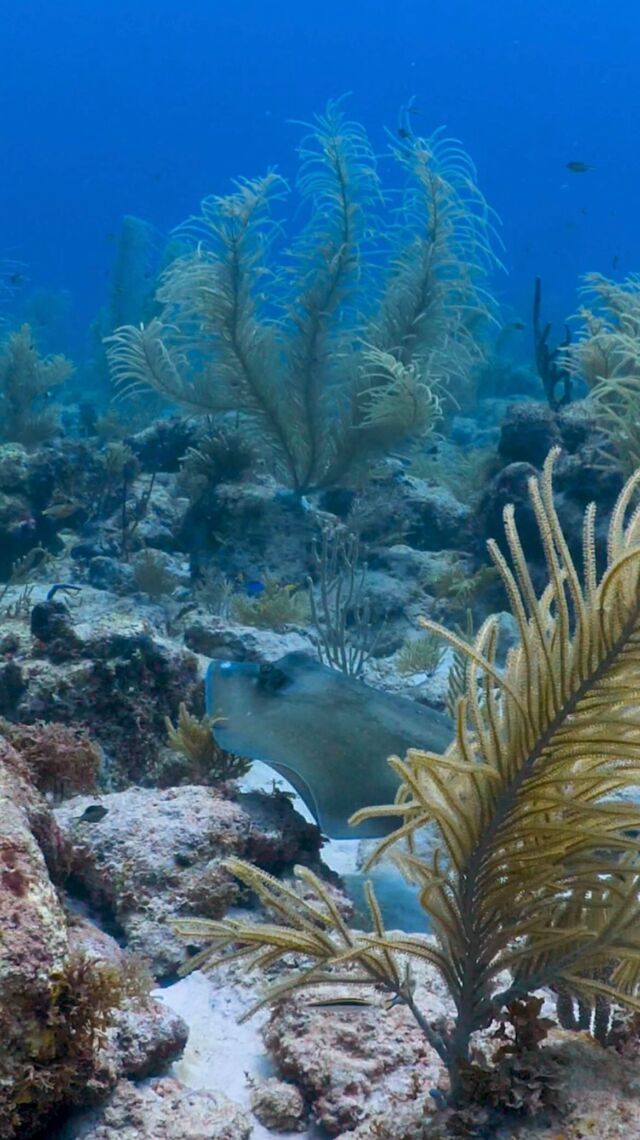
{"x": 220, "y": 1054}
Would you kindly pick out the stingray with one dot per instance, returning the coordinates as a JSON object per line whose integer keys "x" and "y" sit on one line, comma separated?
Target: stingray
{"x": 328, "y": 734}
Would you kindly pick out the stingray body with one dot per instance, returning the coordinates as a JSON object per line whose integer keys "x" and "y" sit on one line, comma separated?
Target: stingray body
{"x": 328, "y": 734}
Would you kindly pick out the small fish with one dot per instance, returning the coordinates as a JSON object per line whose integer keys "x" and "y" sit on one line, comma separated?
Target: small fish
{"x": 253, "y": 588}
{"x": 61, "y": 510}
{"x": 614, "y": 261}
{"x": 340, "y": 1003}
{"x": 93, "y": 814}
{"x": 577, "y": 167}
{"x": 518, "y": 325}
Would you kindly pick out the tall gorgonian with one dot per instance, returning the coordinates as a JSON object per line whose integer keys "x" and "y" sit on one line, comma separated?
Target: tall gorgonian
{"x": 340, "y": 343}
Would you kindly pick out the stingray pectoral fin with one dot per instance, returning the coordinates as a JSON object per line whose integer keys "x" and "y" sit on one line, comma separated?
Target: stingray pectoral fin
{"x": 328, "y": 810}
{"x": 329, "y": 734}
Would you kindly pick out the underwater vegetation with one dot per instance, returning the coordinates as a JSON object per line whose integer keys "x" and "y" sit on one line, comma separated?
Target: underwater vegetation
{"x": 193, "y": 739}
{"x": 535, "y": 870}
{"x": 27, "y": 381}
{"x": 421, "y": 655}
{"x": 341, "y": 612}
{"x": 130, "y": 300}
{"x": 275, "y": 606}
{"x": 360, "y": 336}
{"x": 607, "y": 356}
{"x": 352, "y": 421}
{"x": 551, "y": 362}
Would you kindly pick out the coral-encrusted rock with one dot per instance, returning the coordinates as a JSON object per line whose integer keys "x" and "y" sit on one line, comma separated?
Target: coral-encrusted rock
{"x": 50, "y": 1024}
{"x": 144, "y": 1035}
{"x": 12, "y": 687}
{"x": 148, "y": 1036}
{"x": 33, "y": 925}
{"x": 122, "y": 682}
{"x": 437, "y": 520}
{"x": 425, "y": 568}
{"x": 164, "y": 517}
{"x": 215, "y": 637}
{"x": 578, "y": 480}
{"x": 352, "y": 1063}
{"x": 14, "y": 467}
{"x": 64, "y": 1042}
{"x": 51, "y": 622}
{"x": 278, "y": 1105}
{"x": 18, "y": 531}
{"x": 109, "y": 573}
{"x": 511, "y": 486}
{"x": 164, "y": 1110}
{"x": 162, "y": 445}
{"x": 577, "y": 424}
{"x": 60, "y": 759}
{"x": 400, "y": 507}
{"x": 157, "y": 854}
{"x": 276, "y": 529}
{"x": 599, "y": 1090}
{"x": 528, "y": 433}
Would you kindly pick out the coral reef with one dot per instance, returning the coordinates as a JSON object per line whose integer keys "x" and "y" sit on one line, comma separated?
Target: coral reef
{"x": 357, "y": 420}
{"x": 606, "y": 354}
{"x": 522, "y": 803}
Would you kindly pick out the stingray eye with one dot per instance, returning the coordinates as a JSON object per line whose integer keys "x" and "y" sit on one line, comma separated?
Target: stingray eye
{"x": 270, "y": 678}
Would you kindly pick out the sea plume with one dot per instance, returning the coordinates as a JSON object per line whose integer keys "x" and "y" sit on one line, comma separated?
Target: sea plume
{"x": 339, "y": 344}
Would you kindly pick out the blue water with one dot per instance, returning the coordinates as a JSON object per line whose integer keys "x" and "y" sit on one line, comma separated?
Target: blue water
{"x": 110, "y": 107}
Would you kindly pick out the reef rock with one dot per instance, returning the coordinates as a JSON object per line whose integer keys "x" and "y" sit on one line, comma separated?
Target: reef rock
{"x": 528, "y": 433}
{"x": 163, "y": 521}
{"x": 14, "y": 467}
{"x": 116, "y": 676}
{"x": 276, "y": 530}
{"x": 33, "y": 954}
{"x": 157, "y": 854}
{"x": 73, "y": 1017}
{"x": 163, "y": 1110}
{"x": 215, "y": 637}
{"x": 402, "y": 508}
{"x": 278, "y": 1105}
{"x": 353, "y": 1063}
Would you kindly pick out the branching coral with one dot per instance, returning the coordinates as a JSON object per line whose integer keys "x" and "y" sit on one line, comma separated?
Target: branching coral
{"x": 536, "y": 871}
{"x": 336, "y": 355}
{"x": 341, "y": 611}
